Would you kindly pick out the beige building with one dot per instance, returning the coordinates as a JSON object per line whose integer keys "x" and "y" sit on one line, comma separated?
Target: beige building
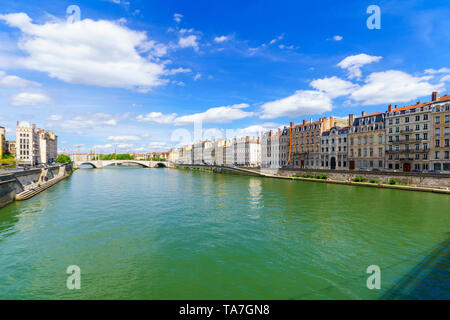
{"x": 306, "y": 141}
{"x": 408, "y": 135}
{"x": 440, "y": 146}
{"x": 48, "y": 146}
{"x": 366, "y": 142}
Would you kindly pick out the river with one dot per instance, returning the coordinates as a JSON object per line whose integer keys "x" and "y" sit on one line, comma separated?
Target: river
{"x": 140, "y": 233}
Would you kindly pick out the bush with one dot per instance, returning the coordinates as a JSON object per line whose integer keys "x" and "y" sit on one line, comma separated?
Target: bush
{"x": 359, "y": 179}
{"x": 307, "y": 176}
{"x": 392, "y": 181}
{"x": 62, "y": 158}
{"x": 374, "y": 181}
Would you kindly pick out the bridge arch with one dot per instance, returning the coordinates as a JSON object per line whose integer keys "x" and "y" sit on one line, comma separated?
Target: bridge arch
{"x": 87, "y": 163}
{"x": 113, "y": 162}
{"x": 160, "y": 165}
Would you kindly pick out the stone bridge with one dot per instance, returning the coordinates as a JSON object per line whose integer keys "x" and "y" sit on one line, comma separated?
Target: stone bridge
{"x": 144, "y": 163}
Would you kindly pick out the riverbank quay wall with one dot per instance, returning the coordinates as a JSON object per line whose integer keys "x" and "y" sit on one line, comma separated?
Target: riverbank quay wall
{"x": 427, "y": 180}
{"x": 17, "y": 181}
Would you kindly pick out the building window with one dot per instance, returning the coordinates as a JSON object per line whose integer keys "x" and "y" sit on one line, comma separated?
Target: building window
{"x": 437, "y": 120}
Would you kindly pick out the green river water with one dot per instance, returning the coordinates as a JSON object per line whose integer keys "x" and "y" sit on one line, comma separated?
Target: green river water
{"x": 142, "y": 233}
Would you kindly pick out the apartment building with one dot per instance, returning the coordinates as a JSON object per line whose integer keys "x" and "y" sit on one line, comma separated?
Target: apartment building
{"x": 366, "y": 141}
{"x": 440, "y": 146}
{"x": 333, "y": 152}
{"x": 306, "y": 141}
{"x": 285, "y": 146}
{"x": 3, "y": 148}
{"x": 219, "y": 152}
{"x": 48, "y": 146}
{"x": 248, "y": 152}
{"x": 27, "y": 143}
{"x": 408, "y": 134}
{"x": 270, "y": 149}
{"x": 208, "y": 152}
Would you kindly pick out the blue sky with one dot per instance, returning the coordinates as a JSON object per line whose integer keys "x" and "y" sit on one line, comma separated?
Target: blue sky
{"x": 135, "y": 75}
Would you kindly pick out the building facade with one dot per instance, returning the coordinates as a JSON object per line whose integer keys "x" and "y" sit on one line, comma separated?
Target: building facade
{"x": 333, "y": 152}
{"x": 48, "y": 146}
{"x": 367, "y": 141}
{"x": 27, "y": 143}
{"x": 11, "y": 147}
{"x": 408, "y": 135}
{"x": 3, "y": 148}
{"x": 440, "y": 145}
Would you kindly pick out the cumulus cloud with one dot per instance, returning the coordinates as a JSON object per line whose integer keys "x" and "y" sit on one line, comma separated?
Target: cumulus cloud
{"x": 221, "y": 39}
{"x": 157, "y": 117}
{"x": 392, "y": 86}
{"x": 8, "y": 81}
{"x": 188, "y": 41}
{"x": 354, "y": 63}
{"x": 302, "y": 102}
{"x": 177, "y": 17}
{"x": 334, "y": 86}
{"x": 87, "y": 121}
{"x": 123, "y": 138}
{"x": 197, "y": 76}
{"x": 100, "y": 53}
{"x": 221, "y": 114}
{"x": 29, "y": 99}
{"x": 338, "y": 38}
{"x": 434, "y": 71}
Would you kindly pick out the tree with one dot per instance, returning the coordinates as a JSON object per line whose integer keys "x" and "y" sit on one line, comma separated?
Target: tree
{"x": 62, "y": 158}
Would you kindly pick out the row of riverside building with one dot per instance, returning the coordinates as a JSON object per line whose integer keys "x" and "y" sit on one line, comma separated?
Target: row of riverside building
{"x": 410, "y": 138}
{"x": 32, "y": 146}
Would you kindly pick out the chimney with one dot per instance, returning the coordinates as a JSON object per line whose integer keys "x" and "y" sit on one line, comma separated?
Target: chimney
{"x": 292, "y": 124}
{"x": 335, "y": 124}
{"x": 331, "y": 122}
{"x": 363, "y": 113}
{"x": 310, "y": 120}
{"x": 304, "y": 122}
{"x": 434, "y": 96}
{"x": 418, "y": 102}
{"x": 17, "y": 123}
{"x": 351, "y": 119}
{"x": 390, "y": 108}
{"x": 270, "y": 133}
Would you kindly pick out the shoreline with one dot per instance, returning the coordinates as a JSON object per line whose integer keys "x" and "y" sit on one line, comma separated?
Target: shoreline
{"x": 257, "y": 172}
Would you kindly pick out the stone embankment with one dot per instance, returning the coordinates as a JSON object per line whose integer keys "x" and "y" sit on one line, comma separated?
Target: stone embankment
{"x": 425, "y": 182}
{"x": 24, "y": 184}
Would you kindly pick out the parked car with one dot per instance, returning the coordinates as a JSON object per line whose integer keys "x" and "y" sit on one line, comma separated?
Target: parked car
{"x": 434, "y": 171}
{"x": 375, "y": 169}
{"x": 416, "y": 170}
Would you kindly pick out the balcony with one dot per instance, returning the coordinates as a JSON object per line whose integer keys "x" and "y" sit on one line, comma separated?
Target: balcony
{"x": 422, "y": 150}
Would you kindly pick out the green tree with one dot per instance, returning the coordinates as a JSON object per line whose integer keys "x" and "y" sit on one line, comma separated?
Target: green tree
{"x": 62, "y": 158}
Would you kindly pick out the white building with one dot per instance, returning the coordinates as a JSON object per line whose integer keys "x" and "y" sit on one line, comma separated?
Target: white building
{"x": 208, "y": 152}
{"x": 334, "y": 148}
{"x": 27, "y": 143}
{"x": 198, "y": 152}
{"x": 218, "y": 152}
{"x": 270, "y": 149}
{"x": 48, "y": 146}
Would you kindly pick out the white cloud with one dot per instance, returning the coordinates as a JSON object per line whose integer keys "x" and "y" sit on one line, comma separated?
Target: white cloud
{"x": 222, "y": 114}
{"x": 157, "y": 117}
{"x": 301, "y": 103}
{"x": 87, "y": 121}
{"x": 8, "y": 81}
{"x": 280, "y": 37}
{"x": 189, "y": 41}
{"x": 178, "y": 70}
{"x": 354, "y": 63}
{"x": 100, "y": 53}
{"x": 338, "y": 38}
{"x": 177, "y": 17}
{"x": 123, "y": 138}
{"x": 392, "y": 86}
{"x": 197, "y": 76}
{"x": 221, "y": 39}
{"x": 434, "y": 71}
{"x": 29, "y": 99}
{"x": 445, "y": 78}
{"x": 334, "y": 86}
{"x": 55, "y": 117}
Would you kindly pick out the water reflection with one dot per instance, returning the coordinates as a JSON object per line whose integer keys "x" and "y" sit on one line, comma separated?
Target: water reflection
{"x": 255, "y": 193}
